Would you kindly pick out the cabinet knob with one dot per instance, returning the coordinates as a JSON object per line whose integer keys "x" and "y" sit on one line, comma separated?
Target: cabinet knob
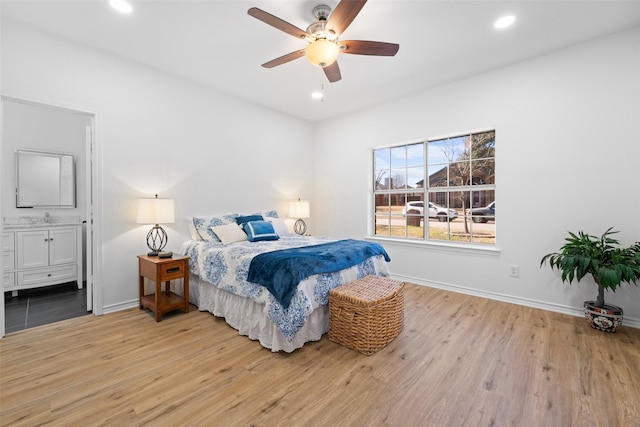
{"x": 46, "y": 240}
{"x": 49, "y": 275}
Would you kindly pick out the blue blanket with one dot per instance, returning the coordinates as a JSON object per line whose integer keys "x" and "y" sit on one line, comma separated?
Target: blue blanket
{"x": 281, "y": 271}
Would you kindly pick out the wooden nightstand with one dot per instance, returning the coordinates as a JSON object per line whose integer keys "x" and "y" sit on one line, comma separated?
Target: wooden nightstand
{"x": 164, "y": 270}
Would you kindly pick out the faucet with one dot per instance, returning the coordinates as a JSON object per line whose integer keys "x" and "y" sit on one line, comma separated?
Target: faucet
{"x": 46, "y": 217}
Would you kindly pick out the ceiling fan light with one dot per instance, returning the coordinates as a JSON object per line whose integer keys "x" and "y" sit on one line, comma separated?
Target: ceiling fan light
{"x": 322, "y": 52}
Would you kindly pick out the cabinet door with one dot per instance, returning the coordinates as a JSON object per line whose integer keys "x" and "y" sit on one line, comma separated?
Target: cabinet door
{"x": 7, "y": 241}
{"x": 33, "y": 249}
{"x": 62, "y": 246}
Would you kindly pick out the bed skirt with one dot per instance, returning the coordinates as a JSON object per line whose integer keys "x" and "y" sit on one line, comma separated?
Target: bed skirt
{"x": 251, "y": 319}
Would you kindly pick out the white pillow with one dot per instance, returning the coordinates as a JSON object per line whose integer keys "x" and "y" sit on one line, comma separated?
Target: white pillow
{"x": 279, "y": 226}
{"x": 229, "y": 233}
{"x": 192, "y": 229}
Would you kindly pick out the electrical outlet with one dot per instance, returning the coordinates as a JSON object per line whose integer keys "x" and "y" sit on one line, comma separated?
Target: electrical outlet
{"x": 514, "y": 270}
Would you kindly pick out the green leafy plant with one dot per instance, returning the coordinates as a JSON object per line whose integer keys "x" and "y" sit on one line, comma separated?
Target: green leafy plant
{"x": 602, "y": 257}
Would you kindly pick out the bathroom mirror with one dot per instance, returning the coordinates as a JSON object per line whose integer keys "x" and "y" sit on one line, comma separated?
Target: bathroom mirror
{"x": 45, "y": 179}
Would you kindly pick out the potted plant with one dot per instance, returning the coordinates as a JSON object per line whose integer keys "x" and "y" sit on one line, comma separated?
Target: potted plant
{"x": 609, "y": 264}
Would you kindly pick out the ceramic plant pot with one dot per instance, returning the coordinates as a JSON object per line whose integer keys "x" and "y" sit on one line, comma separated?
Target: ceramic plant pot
{"x": 608, "y": 318}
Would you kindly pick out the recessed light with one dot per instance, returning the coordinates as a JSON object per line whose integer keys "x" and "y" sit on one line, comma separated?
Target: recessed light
{"x": 122, "y": 6}
{"x": 316, "y": 95}
{"x": 504, "y": 22}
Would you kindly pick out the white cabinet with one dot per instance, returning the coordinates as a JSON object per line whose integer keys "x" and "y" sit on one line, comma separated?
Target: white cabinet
{"x": 8, "y": 260}
{"x": 46, "y": 256}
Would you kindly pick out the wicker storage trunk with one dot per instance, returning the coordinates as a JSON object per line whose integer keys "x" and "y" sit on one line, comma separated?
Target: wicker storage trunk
{"x": 367, "y": 314}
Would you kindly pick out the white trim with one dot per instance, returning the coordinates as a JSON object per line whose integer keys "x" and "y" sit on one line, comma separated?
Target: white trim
{"x": 439, "y": 245}
{"x": 1, "y": 222}
{"x": 556, "y": 308}
{"x": 112, "y": 308}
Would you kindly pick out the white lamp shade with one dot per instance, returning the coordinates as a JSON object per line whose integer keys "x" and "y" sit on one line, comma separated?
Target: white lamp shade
{"x": 155, "y": 211}
{"x": 299, "y": 209}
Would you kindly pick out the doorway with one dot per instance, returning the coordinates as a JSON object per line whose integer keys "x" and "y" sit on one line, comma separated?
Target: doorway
{"x": 18, "y": 114}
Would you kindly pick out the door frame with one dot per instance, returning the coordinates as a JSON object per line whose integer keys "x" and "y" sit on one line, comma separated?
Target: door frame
{"x": 93, "y": 202}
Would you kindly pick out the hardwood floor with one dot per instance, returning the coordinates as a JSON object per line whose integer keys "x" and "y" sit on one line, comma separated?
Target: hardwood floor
{"x": 459, "y": 361}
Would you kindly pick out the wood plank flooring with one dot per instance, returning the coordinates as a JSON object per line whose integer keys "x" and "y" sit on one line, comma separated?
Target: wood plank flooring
{"x": 459, "y": 361}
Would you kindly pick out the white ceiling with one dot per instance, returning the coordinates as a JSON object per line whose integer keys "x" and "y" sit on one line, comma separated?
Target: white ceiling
{"x": 216, "y": 44}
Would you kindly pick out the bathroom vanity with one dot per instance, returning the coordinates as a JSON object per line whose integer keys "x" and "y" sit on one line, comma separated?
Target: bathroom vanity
{"x": 41, "y": 251}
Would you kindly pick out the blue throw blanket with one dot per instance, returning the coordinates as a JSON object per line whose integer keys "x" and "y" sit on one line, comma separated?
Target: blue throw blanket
{"x": 281, "y": 271}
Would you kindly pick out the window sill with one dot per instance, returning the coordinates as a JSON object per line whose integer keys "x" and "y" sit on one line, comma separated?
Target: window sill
{"x": 467, "y": 248}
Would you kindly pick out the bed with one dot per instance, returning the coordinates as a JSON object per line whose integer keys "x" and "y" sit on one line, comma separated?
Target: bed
{"x": 221, "y": 261}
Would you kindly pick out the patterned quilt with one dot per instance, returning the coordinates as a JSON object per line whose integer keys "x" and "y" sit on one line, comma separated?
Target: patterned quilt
{"x": 227, "y": 267}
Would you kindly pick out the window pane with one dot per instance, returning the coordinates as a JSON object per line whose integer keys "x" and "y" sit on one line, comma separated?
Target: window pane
{"x": 381, "y": 158}
{"x": 437, "y": 152}
{"x": 438, "y": 176}
{"x": 459, "y": 174}
{"x": 382, "y": 225}
{"x": 483, "y": 171}
{"x": 414, "y": 215}
{"x": 483, "y": 145}
{"x": 482, "y": 217}
{"x": 398, "y": 178}
{"x": 458, "y": 148}
{"x": 415, "y": 155}
{"x": 399, "y": 157}
{"x": 382, "y": 180}
{"x": 415, "y": 177}
{"x": 382, "y": 212}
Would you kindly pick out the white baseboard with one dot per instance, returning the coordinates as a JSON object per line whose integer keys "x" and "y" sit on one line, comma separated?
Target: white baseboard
{"x": 557, "y": 308}
{"x": 120, "y": 306}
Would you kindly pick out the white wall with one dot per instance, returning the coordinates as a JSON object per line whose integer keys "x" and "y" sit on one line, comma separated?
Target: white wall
{"x": 567, "y": 152}
{"x": 159, "y": 134}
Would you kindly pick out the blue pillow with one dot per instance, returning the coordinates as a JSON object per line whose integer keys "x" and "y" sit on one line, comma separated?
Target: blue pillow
{"x": 260, "y": 230}
{"x": 241, "y": 220}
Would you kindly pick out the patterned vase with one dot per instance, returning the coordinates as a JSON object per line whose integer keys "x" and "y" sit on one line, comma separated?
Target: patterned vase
{"x": 607, "y": 318}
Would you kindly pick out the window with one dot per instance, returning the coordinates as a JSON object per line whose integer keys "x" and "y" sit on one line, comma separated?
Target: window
{"x": 439, "y": 189}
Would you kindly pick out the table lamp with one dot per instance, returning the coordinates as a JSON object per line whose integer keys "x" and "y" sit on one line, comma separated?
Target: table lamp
{"x": 156, "y": 211}
{"x": 299, "y": 209}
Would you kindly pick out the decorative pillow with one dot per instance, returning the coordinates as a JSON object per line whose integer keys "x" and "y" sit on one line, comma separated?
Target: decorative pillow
{"x": 203, "y": 225}
{"x": 270, "y": 214}
{"x": 260, "y": 230}
{"x": 192, "y": 229}
{"x": 229, "y": 233}
{"x": 279, "y": 226}
{"x": 241, "y": 220}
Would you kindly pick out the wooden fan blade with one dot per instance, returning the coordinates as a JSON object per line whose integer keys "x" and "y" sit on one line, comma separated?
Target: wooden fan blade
{"x": 343, "y": 14}
{"x": 332, "y": 72}
{"x": 276, "y": 22}
{"x": 284, "y": 59}
{"x": 366, "y": 47}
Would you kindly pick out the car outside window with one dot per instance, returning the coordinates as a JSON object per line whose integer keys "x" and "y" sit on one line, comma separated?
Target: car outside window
{"x": 454, "y": 177}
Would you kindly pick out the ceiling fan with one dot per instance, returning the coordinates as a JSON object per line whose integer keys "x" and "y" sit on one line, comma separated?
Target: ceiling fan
{"x": 323, "y": 46}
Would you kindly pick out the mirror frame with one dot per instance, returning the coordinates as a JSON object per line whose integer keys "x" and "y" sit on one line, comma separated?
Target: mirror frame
{"x": 44, "y": 180}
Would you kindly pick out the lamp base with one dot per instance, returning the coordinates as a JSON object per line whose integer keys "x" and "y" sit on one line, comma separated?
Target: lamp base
{"x": 156, "y": 240}
{"x": 300, "y": 227}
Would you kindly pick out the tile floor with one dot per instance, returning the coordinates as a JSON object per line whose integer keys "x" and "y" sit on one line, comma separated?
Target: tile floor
{"x": 39, "y": 306}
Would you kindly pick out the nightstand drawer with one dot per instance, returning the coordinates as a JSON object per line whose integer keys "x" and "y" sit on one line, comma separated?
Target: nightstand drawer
{"x": 172, "y": 270}
{"x": 53, "y": 275}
